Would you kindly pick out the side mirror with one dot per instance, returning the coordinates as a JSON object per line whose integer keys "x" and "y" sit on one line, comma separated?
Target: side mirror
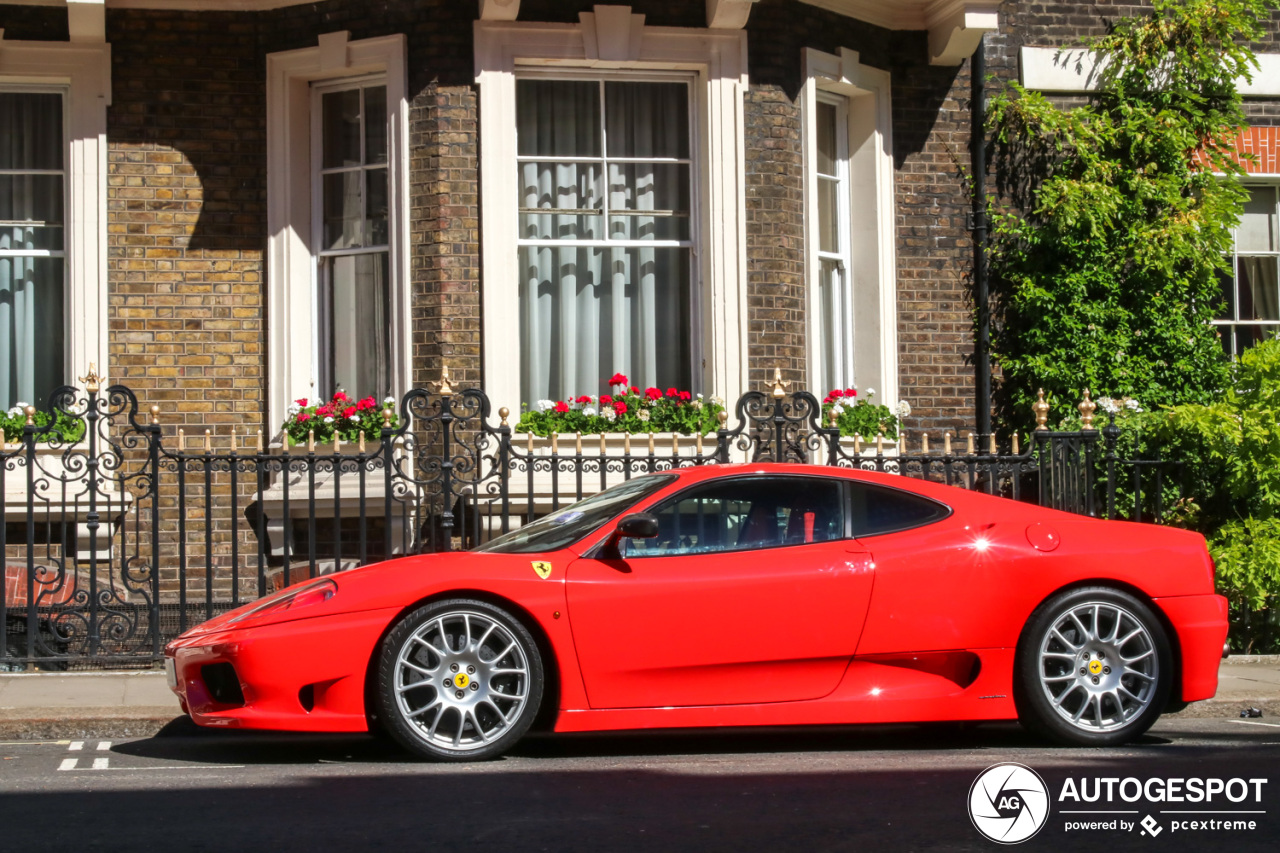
{"x": 638, "y": 525}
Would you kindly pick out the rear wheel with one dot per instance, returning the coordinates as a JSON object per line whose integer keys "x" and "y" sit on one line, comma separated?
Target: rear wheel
{"x": 1094, "y": 668}
{"x": 458, "y": 680}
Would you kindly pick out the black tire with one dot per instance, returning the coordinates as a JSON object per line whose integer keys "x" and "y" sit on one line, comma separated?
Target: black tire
{"x": 431, "y": 683}
{"x": 1115, "y": 690}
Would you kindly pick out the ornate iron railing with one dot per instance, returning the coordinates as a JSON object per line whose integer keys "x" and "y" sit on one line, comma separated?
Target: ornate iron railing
{"x": 121, "y": 532}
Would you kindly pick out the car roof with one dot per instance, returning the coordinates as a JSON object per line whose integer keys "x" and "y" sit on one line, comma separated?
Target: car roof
{"x": 937, "y": 491}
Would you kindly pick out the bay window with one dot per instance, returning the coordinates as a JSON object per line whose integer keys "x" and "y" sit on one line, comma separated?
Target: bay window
{"x": 32, "y": 245}
{"x": 606, "y": 234}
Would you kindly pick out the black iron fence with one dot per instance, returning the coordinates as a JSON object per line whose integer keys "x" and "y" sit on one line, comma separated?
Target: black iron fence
{"x": 120, "y": 534}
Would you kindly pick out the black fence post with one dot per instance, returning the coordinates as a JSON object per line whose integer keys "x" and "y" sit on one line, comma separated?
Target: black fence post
{"x": 1111, "y": 435}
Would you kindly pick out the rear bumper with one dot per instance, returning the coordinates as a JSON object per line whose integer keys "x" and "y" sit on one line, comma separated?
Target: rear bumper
{"x": 304, "y": 675}
{"x": 1201, "y": 625}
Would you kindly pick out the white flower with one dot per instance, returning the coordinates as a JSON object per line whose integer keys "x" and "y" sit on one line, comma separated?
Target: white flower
{"x": 328, "y": 420}
{"x": 353, "y": 418}
{"x": 1132, "y": 405}
{"x": 21, "y": 406}
{"x": 643, "y": 414}
{"x": 697, "y": 404}
{"x": 610, "y": 415}
{"x": 1108, "y": 405}
{"x": 545, "y": 405}
{"x": 837, "y": 410}
{"x": 389, "y": 401}
{"x": 15, "y": 411}
{"x": 871, "y": 392}
{"x": 718, "y": 401}
{"x": 903, "y": 409}
{"x": 589, "y": 411}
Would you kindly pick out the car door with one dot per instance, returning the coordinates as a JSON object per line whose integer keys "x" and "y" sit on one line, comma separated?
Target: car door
{"x": 750, "y": 593}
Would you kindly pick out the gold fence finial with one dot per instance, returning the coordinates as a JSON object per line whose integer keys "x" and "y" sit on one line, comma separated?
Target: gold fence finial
{"x": 1041, "y": 409}
{"x": 504, "y": 413}
{"x": 1087, "y": 407}
{"x": 946, "y": 443}
{"x": 360, "y": 441}
{"x": 969, "y": 448}
{"x": 155, "y": 415}
{"x": 1015, "y": 443}
{"x": 924, "y": 442}
{"x": 258, "y": 445}
{"x": 386, "y": 418}
{"x": 444, "y": 387}
{"x": 208, "y": 441}
{"x": 779, "y": 387}
{"x": 311, "y": 441}
{"x": 30, "y": 412}
{"x": 723, "y": 417}
{"x": 833, "y": 417}
{"x": 91, "y": 379}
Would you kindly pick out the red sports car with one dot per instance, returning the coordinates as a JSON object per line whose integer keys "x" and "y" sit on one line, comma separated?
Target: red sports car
{"x": 736, "y": 595}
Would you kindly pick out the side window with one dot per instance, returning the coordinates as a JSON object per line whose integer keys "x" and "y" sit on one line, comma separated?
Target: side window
{"x": 742, "y": 514}
{"x": 878, "y": 509}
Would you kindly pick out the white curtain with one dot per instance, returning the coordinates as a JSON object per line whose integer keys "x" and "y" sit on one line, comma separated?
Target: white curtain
{"x": 588, "y": 311}
{"x": 31, "y": 243}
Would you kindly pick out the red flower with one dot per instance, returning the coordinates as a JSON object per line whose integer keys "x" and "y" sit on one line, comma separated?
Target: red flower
{"x": 303, "y": 416}
{"x": 835, "y": 395}
{"x": 852, "y": 392}
{"x": 605, "y": 399}
{"x": 686, "y": 396}
{"x": 348, "y": 411}
{"x": 341, "y": 397}
{"x": 583, "y": 399}
{"x": 301, "y": 402}
{"x": 562, "y": 406}
{"x": 635, "y": 390}
{"x": 653, "y": 393}
{"x": 618, "y": 379}
{"x": 619, "y": 408}
{"x": 368, "y": 403}
{"x": 673, "y": 392}
{"x": 324, "y": 411}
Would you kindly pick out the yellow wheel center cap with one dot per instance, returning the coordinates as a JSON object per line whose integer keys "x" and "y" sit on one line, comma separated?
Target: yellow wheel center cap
{"x": 1095, "y": 667}
{"x": 460, "y": 680}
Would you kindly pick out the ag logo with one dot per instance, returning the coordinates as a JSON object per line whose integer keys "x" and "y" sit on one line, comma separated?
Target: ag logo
{"x": 542, "y": 569}
{"x": 1008, "y": 803}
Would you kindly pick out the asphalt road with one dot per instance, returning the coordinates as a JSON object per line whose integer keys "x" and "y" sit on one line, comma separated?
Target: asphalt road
{"x": 846, "y": 789}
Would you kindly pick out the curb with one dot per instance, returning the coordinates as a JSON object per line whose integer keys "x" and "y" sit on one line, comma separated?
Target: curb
{"x": 57, "y": 724}
{"x": 1230, "y": 709}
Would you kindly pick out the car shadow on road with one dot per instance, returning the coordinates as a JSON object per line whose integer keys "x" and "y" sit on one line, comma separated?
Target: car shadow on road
{"x": 182, "y": 740}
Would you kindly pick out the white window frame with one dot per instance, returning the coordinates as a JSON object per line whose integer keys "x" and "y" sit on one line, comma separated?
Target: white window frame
{"x": 292, "y": 262}
{"x": 695, "y": 219}
{"x": 842, "y": 255}
{"x": 82, "y": 70}
{"x": 871, "y": 235}
{"x": 1271, "y": 182}
{"x": 613, "y": 39}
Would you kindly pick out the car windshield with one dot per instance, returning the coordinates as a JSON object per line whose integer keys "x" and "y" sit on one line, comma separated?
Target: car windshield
{"x": 568, "y": 525}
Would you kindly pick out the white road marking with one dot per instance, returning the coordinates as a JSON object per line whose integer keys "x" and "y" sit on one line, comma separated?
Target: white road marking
{"x": 188, "y": 767}
{"x": 104, "y": 745}
{"x": 76, "y": 746}
{"x": 68, "y": 764}
{"x": 35, "y": 743}
{"x": 1255, "y": 723}
{"x": 100, "y": 763}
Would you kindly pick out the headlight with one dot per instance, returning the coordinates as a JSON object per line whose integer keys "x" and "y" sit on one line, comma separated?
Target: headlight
{"x": 316, "y": 592}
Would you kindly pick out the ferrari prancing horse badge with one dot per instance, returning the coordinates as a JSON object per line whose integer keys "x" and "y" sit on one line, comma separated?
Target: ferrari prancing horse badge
{"x": 542, "y": 569}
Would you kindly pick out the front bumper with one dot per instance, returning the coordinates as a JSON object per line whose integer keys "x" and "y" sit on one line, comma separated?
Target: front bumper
{"x": 1200, "y": 622}
{"x": 303, "y": 675}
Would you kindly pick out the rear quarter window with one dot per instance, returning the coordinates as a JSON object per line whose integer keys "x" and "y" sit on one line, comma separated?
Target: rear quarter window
{"x": 875, "y": 510}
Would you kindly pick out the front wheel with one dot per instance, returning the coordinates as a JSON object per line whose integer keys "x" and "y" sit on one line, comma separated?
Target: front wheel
{"x": 1094, "y": 668}
{"x": 458, "y": 680}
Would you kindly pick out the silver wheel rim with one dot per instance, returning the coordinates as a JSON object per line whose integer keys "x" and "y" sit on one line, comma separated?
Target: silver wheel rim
{"x": 1098, "y": 666}
{"x": 461, "y": 680}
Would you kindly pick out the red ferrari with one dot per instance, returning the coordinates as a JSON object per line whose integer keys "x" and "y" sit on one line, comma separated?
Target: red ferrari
{"x": 741, "y": 595}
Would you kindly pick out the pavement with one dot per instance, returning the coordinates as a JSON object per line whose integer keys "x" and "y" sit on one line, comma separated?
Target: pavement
{"x": 35, "y": 706}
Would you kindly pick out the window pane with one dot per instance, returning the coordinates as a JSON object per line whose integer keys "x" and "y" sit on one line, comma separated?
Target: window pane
{"x": 877, "y": 510}
{"x": 741, "y": 514}
{"x": 356, "y": 343}
{"x": 647, "y": 119}
{"x": 32, "y": 323}
{"x": 587, "y": 312}
{"x": 644, "y": 186}
{"x": 827, "y": 149}
{"x": 31, "y": 130}
{"x": 376, "y": 206}
{"x": 558, "y": 118}
{"x": 341, "y": 121}
{"x": 836, "y": 338}
{"x": 1228, "y": 286}
{"x": 1258, "y": 223}
{"x": 375, "y": 124}
{"x": 1258, "y": 294}
{"x": 561, "y": 186}
{"x": 828, "y": 215}
{"x": 31, "y": 198}
{"x": 343, "y": 212}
